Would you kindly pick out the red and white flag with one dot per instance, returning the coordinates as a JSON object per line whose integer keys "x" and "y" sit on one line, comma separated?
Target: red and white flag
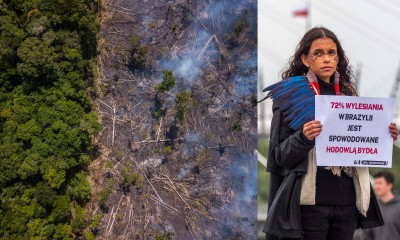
{"x": 300, "y": 10}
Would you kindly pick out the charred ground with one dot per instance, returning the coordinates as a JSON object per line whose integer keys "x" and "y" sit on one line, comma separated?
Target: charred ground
{"x": 177, "y": 101}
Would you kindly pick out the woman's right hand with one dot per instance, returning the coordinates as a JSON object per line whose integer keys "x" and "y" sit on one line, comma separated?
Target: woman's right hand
{"x": 312, "y": 129}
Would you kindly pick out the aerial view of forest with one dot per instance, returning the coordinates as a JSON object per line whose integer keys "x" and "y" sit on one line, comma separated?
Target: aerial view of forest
{"x": 128, "y": 119}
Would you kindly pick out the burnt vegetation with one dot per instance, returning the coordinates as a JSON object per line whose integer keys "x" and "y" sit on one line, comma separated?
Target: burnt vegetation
{"x": 176, "y": 103}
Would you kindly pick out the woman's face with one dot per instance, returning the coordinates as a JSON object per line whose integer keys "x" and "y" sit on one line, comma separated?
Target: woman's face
{"x": 322, "y": 58}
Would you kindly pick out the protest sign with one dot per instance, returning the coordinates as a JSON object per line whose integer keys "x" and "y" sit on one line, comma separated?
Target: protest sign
{"x": 355, "y": 131}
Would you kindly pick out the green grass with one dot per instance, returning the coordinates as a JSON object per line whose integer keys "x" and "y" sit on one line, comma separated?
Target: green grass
{"x": 263, "y": 176}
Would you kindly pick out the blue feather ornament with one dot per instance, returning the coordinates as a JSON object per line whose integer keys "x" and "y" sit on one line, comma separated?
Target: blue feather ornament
{"x": 295, "y": 98}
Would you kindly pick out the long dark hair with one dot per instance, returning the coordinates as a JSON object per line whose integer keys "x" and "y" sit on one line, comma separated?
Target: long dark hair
{"x": 296, "y": 66}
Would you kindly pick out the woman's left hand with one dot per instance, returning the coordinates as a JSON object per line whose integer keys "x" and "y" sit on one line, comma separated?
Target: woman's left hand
{"x": 393, "y": 131}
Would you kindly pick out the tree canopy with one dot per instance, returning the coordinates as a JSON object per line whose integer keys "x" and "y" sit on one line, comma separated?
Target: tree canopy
{"x": 47, "y": 59}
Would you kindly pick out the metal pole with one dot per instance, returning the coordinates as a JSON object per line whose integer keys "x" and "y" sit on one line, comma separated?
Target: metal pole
{"x": 396, "y": 84}
{"x": 394, "y": 94}
{"x": 357, "y": 75}
{"x": 308, "y": 17}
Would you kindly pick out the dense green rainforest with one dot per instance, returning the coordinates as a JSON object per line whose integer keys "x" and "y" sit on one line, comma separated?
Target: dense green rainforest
{"x": 47, "y": 123}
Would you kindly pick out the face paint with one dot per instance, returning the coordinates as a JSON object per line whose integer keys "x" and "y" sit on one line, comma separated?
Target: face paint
{"x": 313, "y": 58}
{"x": 322, "y": 58}
{"x": 336, "y": 59}
{"x": 320, "y": 55}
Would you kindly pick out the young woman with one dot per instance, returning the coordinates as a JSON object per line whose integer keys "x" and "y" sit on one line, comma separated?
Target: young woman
{"x": 306, "y": 201}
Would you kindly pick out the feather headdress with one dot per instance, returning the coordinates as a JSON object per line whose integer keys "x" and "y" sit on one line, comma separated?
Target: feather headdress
{"x": 295, "y": 98}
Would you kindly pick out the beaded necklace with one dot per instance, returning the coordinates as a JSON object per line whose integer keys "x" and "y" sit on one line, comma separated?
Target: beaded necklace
{"x": 312, "y": 79}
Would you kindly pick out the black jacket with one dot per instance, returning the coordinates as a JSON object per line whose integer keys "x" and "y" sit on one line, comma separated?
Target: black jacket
{"x": 287, "y": 163}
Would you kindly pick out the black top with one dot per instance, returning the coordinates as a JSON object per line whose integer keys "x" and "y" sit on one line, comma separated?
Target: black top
{"x": 331, "y": 189}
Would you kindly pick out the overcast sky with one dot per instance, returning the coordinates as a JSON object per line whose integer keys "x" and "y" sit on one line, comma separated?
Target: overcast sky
{"x": 369, "y": 31}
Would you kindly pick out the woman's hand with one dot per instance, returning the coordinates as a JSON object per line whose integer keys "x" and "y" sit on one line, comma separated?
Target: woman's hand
{"x": 313, "y": 128}
{"x": 393, "y": 131}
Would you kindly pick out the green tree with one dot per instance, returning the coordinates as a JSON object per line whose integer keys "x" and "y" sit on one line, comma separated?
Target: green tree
{"x": 11, "y": 36}
{"x": 63, "y": 232}
{"x": 37, "y": 60}
{"x": 138, "y": 52}
{"x": 79, "y": 189}
{"x": 183, "y": 103}
{"x": 78, "y": 222}
{"x": 61, "y": 209}
{"x": 167, "y": 83}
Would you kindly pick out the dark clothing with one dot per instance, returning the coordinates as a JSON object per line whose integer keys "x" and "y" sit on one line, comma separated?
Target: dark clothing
{"x": 329, "y": 222}
{"x": 326, "y": 88}
{"x": 287, "y": 163}
{"x": 391, "y": 229}
{"x": 334, "y": 190}
{"x": 284, "y": 217}
{"x": 331, "y": 189}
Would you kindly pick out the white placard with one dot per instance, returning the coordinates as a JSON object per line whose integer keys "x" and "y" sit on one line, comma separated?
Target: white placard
{"x": 355, "y": 131}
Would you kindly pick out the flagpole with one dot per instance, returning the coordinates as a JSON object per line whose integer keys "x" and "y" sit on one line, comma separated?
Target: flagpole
{"x": 308, "y": 17}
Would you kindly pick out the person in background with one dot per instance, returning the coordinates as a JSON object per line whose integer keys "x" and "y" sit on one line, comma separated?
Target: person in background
{"x": 390, "y": 209}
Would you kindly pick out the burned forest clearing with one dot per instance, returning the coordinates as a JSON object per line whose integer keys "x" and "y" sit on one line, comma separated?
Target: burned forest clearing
{"x": 177, "y": 102}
